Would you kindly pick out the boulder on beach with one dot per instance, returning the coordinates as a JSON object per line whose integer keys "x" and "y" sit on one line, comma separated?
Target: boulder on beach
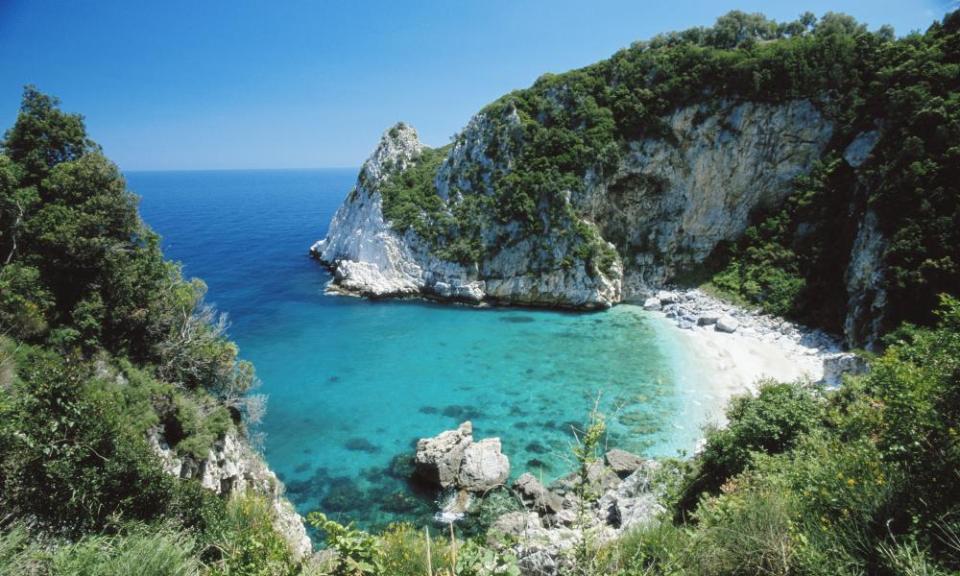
{"x": 667, "y": 297}
{"x": 652, "y": 304}
{"x": 727, "y": 324}
{"x": 708, "y": 317}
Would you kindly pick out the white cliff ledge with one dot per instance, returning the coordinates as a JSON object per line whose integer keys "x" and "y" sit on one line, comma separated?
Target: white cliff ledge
{"x": 369, "y": 258}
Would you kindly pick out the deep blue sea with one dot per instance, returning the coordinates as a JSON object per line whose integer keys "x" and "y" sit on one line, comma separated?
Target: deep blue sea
{"x": 353, "y": 383}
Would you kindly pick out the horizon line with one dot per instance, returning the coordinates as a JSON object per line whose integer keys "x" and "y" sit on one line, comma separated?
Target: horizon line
{"x": 291, "y": 169}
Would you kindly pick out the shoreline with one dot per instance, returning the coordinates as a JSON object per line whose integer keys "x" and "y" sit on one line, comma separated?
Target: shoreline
{"x": 752, "y": 346}
{"x": 738, "y": 348}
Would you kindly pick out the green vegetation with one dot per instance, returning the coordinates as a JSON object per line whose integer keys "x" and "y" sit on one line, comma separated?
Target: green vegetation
{"x": 791, "y": 260}
{"x": 860, "y": 480}
{"x": 549, "y": 140}
{"x": 401, "y": 550}
{"x": 102, "y": 342}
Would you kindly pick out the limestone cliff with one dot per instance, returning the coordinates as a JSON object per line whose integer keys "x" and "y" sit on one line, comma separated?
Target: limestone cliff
{"x": 232, "y": 467}
{"x": 370, "y": 258}
{"x": 664, "y": 208}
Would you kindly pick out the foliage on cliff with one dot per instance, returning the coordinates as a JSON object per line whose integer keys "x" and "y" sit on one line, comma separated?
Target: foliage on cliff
{"x": 793, "y": 260}
{"x": 572, "y": 130}
{"x": 101, "y": 342}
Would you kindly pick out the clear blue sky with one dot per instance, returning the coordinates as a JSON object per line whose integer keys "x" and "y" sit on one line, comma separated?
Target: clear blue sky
{"x": 310, "y": 83}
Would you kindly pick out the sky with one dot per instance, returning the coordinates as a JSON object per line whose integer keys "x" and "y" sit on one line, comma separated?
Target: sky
{"x": 186, "y": 84}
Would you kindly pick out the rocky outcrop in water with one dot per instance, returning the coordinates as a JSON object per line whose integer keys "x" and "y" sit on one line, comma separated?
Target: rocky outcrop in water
{"x": 452, "y": 460}
{"x": 232, "y": 467}
{"x": 664, "y": 209}
{"x": 370, "y": 258}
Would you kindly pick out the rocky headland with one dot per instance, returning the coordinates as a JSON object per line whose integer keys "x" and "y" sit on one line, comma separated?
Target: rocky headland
{"x": 620, "y": 235}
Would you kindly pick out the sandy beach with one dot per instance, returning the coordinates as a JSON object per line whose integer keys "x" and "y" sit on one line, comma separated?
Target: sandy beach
{"x": 732, "y": 363}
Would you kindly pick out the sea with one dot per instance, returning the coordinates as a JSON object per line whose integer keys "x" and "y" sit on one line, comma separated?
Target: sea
{"x": 353, "y": 383}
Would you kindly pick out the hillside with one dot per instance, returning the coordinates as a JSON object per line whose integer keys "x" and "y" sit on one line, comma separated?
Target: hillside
{"x": 123, "y": 405}
{"x": 808, "y": 168}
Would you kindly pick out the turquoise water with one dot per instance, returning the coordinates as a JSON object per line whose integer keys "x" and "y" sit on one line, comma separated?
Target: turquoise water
{"x": 353, "y": 383}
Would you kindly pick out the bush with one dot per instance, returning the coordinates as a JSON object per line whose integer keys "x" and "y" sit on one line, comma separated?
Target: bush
{"x": 770, "y": 423}
{"x": 143, "y": 550}
{"x": 750, "y": 531}
{"x": 71, "y": 460}
{"x": 241, "y": 540}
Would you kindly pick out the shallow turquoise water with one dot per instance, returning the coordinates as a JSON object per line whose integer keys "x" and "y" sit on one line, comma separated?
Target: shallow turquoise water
{"x": 353, "y": 383}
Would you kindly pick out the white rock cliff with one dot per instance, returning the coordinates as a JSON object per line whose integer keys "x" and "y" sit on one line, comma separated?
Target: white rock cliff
{"x": 664, "y": 210}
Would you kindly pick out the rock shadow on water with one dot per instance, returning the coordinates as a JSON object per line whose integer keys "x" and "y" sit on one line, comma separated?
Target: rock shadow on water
{"x": 536, "y": 448}
{"x": 311, "y": 488}
{"x": 537, "y": 464}
{"x": 517, "y": 319}
{"x": 361, "y": 445}
{"x": 516, "y": 410}
{"x": 462, "y": 412}
{"x": 343, "y": 495}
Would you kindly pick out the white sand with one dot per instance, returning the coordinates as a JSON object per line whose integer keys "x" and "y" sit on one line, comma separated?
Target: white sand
{"x": 732, "y": 364}
{"x": 735, "y": 363}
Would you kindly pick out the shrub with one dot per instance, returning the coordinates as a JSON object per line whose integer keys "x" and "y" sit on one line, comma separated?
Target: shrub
{"x": 749, "y": 531}
{"x": 71, "y": 460}
{"x": 241, "y": 540}
{"x": 159, "y": 550}
{"x": 770, "y": 423}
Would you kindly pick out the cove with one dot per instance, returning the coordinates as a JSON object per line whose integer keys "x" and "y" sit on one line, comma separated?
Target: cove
{"x": 352, "y": 383}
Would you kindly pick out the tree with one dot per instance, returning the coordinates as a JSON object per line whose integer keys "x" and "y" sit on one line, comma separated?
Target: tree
{"x": 43, "y": 136}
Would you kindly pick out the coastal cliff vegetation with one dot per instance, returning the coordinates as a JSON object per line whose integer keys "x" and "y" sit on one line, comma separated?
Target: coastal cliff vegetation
{"x": 105, "y": 346}
{"x": 545, "y": 148}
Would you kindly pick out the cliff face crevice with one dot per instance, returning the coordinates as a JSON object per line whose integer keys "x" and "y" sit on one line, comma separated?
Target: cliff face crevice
{"x": 673, "y": 200}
